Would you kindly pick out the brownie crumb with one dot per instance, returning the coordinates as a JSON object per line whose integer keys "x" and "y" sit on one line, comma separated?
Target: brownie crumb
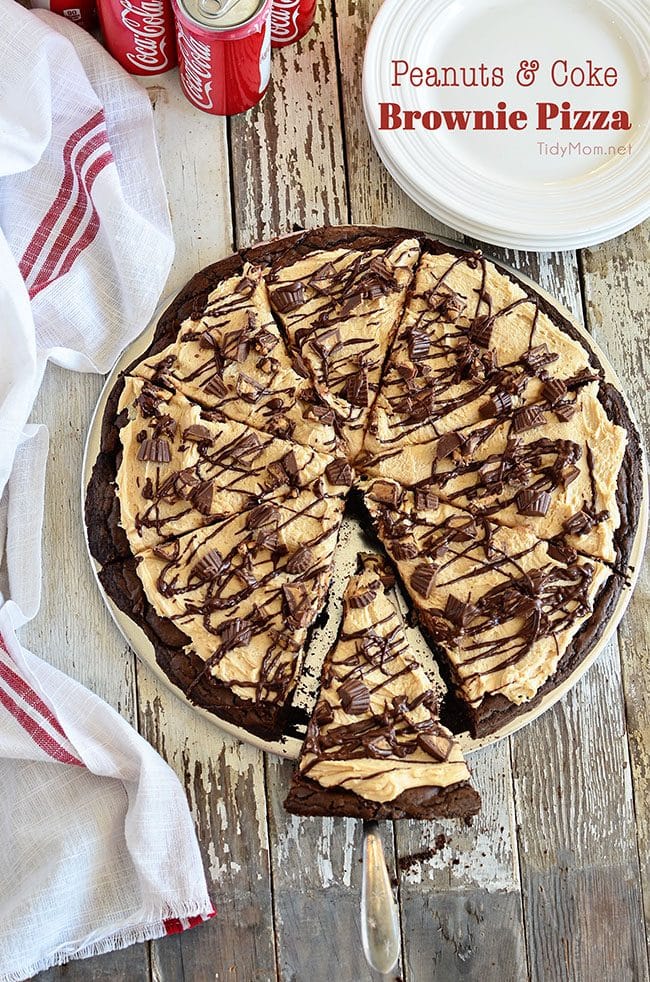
{"x": 408, "y": 863}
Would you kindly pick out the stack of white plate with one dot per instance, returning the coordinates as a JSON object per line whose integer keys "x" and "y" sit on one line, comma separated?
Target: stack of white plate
{"x": 527, "y": 188}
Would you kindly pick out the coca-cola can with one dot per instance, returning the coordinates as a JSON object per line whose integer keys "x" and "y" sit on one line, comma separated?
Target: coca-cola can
{"x": 82, "y": 12}
{"x": 139, "y": 34}
{"x": 290, "y": 21}
{"x": 224, "y": 53}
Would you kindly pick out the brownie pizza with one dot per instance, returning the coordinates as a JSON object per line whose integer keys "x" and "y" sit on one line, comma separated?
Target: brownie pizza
{"x": 497, "y": 469}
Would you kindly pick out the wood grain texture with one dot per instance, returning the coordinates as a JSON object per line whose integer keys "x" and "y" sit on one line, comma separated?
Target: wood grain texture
{"x": 317, "y": 890}
{"x": 560, "y": 900}
{"x": 287, "y": 153}
{"x": 73, "y": 629}
{"x": 617, "y": 285}
{"x": 573, "y": 795}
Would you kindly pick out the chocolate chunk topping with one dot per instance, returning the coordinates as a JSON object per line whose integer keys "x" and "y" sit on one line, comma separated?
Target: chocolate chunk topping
{"x": 538, "y": 357}
{"x": 554, "y": 390}
{"x": 208, "y": 341}
{"x": 499, "y": 404}
{"x": 356, "y": 389}
{"x": 323, "y": 714}
{"x": 448, "y": 305}
{"x": 209, "y": 566}
{"x": 165, "y": 426}
{"x": 447, "y": 443}
{"x": 419, "y": 345}
{"x": 355, "y": 697}
{"x": 387, "y": 492}
{"x": 480, "y": 331}
{"x": 202, "y": 497}
{"x": 404, "y": 550}
{"x": 250, "y": 444}
{"x": 167, "y": 551}
{"x": 216, "y": 387}
{"x": 422, "y": 579}
{"x": 527, "y": 418}
{"x": 197, "y": 434}
{"x": 289, "y": 297}
{"x": 297, "y": 604}
{"x": 155, "y": 450}
{"x": 569, "y": 475}
{"x": 148, "y": 402}
{"x": 532, "y": 502}
{"x": 339, "y": 472}
{"x": 301, "y": 560}
{"x": 264, "y": 514}
{"x": 264, "y": 342}
{"x": 236, "y": 633}
{"x": 561, "y": 551}
{"x": 186, "y": 483}
{"x": 578, "y": 524}
{"x": 290, "y": 464}
{"x": 565, "y": 411}
{"x": 458, "y": 612}
{"x": 425, "y": 499}
{"x": 436, "y": 745}
{"x": 358, "y": 600}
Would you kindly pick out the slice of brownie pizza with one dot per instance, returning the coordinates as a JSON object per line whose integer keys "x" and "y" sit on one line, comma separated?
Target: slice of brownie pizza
{"x": 245, "y": 592}
{"x": 503, "y": 605}
{"x": 340, "y": 309}
{"x": 375, "y": 747}
{"x": 184, "y": 467}
{"x": 471, "y": 349}
{"x": 229, "y": 356}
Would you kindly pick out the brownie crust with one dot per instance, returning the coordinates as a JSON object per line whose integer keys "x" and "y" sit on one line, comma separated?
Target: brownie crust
{"x": 308, "y": 798}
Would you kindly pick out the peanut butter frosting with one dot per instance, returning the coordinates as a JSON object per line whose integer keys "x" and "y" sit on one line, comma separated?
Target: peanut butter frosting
{"x": 340, "y": 309}
{"x": 184, "y": 467}
{"x": 230, "y": 356}
{"x": 375, "y": 729}
{"x": 246, "y": 589}
{"x": 504, "y": 603}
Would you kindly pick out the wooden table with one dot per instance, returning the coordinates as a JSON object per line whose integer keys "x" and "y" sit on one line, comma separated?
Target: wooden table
{"x": 552, "y": 881}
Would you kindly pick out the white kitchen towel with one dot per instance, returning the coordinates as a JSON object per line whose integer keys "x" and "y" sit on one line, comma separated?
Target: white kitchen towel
{"x": 98, "y": 846}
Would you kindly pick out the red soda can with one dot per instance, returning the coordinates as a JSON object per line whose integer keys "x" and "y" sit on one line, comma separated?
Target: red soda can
{"x": 224, "y": 53}
{"x": 139, "y": 34}
{"x": 290, "y": 20}
{"x": 82, "y": 12}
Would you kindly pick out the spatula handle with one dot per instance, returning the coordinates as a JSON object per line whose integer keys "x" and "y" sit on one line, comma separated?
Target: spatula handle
{"x": 379, "y": 919}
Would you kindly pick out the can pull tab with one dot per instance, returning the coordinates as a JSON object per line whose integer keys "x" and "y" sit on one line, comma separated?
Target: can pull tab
{"x": 216, "y": 8}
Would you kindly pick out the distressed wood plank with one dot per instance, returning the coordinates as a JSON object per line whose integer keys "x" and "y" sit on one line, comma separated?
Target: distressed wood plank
{"x": 617, "y": 287}
{"x": 570, "y": 764}
{"x": 317, "y": 889}
{"x": 222, "y": 778}
{"x": 287, "y": 158}
{"x": 578, "y": 850}
{"x": 375, "y": 199}
{"x": 224, "y": 783}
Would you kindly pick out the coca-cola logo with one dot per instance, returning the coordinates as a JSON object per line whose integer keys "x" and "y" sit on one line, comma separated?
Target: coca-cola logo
{"x": 146, "y": 22}
{"x": 284, "y": 20}
{"x": 196, "y": 68}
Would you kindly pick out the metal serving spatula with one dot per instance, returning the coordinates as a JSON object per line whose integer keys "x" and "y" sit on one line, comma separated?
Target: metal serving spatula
{"x": 379, "y": 918}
